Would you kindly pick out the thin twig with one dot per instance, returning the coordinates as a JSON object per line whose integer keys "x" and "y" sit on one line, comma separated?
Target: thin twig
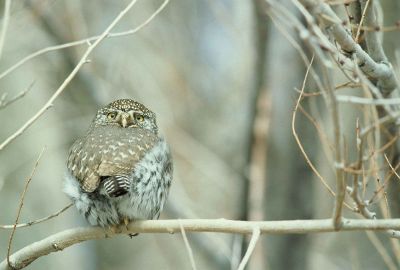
{"x": 188, "y": 248}
{"x": 83, "y": 60}
{"x": 339, "y": 164}
{"x": 298, "y": 139}
{"x": 391, "y": 167}
{"x": 4, "y": 103}
{"x": 82, "y": 41}
{"x": 21, "y": 204}
{"x": 361, "y": 22}
{"x": 6, "y": 19}
{"x": 368, "y": 101}
{"x": 40, "y": 220}
{"x": 253, "y": 241}
{"x": 387, "y": 119}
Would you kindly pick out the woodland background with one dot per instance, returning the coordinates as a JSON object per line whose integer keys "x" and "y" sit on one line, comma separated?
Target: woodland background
{"x": 222, "y": 79}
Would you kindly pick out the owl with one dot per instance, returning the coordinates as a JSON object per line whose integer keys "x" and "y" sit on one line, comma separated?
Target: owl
{"x": 121, "y": 170}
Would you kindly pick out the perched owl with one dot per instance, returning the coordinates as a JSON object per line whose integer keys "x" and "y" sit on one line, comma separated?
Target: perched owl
{"x": 121, "y": 170}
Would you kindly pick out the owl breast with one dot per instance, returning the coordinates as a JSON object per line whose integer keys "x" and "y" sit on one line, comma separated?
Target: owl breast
{"x": 152, "y": 177}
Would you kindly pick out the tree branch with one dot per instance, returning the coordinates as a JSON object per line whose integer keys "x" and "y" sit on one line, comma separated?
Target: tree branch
{"x": 40, "y": 220}
{"x": 21, "y": 204}
{"x": 6, "y": 19}
{"x": 381, "y": 71}
{"x": 253, "y": 241}
{"x": 67, "y": 238}
{"x": 188, "y": 248}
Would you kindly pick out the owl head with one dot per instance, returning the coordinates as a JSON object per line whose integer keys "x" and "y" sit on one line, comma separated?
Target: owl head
{"x": 126, "y": 113}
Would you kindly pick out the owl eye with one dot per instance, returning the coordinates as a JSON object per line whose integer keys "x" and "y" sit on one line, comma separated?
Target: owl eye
{"x": 139, "y": 117}
{"x": 111, "y": 115}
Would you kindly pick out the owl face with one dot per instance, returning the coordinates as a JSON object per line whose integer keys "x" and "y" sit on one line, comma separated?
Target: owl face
{"x": 126, "y": 113}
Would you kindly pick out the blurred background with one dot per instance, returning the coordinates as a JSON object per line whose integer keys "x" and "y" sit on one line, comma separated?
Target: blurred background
{"x": 221, "y": 78}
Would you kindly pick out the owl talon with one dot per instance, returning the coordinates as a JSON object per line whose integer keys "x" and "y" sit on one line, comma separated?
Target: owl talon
{"x": 131, "y": 235}
{"x": 126, "y": 222}
{"x": 114, "y": 229}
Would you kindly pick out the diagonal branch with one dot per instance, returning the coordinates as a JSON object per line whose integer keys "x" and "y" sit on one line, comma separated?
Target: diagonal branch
{"x": 40, "y": 220}
{"x": 82, "y": 41}
{"x": 253, "y": 241}
{"x": 83, "y": 60}
{"x": 21, "y": 204}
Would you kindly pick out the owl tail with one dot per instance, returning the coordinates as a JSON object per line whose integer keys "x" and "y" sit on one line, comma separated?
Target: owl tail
{"x": 115, "y": 186}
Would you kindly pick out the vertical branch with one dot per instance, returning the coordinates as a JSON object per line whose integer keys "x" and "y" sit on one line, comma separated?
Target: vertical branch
{"x": 364, "y": 10}
{"x": 6, "y": 19}
{"x": 253, "y": 241}
{"x": 374, "y": 44}
{"x": 340, "y": 184}
{"x": 188, "y": 248}
{"x": 354, "y": 10}
{"x": 21, "y": 204}
{"x": 253, "y": 190}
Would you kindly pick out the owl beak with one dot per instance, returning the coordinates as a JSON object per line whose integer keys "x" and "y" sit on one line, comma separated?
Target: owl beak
{"x": 125, "y": 120}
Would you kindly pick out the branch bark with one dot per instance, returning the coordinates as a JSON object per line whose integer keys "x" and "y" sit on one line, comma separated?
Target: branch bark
{"x": 381, "y": 71}
{"x": 67, "y": 238}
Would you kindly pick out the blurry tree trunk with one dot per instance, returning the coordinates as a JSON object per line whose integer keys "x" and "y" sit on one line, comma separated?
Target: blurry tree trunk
{"x": 289, "y": 186}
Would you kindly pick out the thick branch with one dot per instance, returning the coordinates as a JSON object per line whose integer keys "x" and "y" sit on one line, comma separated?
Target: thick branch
{"x": 381, "y": 71}
{"x": 374, "y": 42}
{"x": 64, "y": 239}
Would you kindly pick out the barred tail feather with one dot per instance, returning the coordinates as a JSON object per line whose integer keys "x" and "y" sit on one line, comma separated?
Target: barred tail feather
{"x": 116, "y": 186}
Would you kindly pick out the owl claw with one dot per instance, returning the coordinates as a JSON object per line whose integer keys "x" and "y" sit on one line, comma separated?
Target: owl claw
{"x": 126, "y": 222}
{"x": 114, "y": 229}
{"x": 131, "y": 235}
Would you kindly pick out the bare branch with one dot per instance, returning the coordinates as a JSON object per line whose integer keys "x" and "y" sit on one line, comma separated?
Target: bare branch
{"x": 366, "y": 5}
{"x": 381, "y": 71}
{"x": 64, "y": 239}
{"x": 4, "y": 103}
{"x": 21, "y": 204}
{"x": 188, "y": 248}
{"x": 368, "y": 101}
{"x": 40, "y": 220}
{"x": 253, "y": 241}
{"x": 298, "y": 139}
{"x": 374, "y": 44}
{"x": 6, "y": 19}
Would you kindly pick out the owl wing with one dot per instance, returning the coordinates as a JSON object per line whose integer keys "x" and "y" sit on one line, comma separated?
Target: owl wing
{"x": 108, "y": 153}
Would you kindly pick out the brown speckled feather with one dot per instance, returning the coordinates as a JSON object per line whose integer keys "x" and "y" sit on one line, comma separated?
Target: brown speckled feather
{"x": 109, "y": 151}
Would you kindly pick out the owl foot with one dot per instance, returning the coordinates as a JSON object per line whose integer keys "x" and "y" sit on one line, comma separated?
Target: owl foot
{"x": 114, "y": 229}
{"x": 126, "y": 222}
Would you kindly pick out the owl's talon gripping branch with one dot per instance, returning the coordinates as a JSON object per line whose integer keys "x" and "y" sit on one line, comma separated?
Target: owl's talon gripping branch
{"x": 126, "y": 222}
{"x": 121, "y": 169}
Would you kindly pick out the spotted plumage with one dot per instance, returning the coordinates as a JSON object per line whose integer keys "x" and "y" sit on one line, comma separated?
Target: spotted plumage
{"x": 121, "y": 169}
